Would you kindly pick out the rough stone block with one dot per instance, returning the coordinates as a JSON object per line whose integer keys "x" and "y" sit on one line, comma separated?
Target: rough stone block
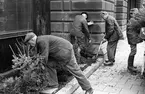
{"x": 67, "y": 26}
{"x": 121, "y": 9}
{"x": 120, "y": 16}
{"x": 95, "y": 16}
{"x": 88, "y": 5}
{"x": 121, "y": 3}
{"x": 56, "y": 5}
{"x": 67, "y": 5}
{"x": 56, "y": 26}
{"x": 57, "y": 16}
{"x": 112, "y": 1}
{"x": 109, "y": 6}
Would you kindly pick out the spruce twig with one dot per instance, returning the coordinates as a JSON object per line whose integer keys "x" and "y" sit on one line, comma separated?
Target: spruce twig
{"x": 12, "y": 50}
{"x": 19, "y": 49}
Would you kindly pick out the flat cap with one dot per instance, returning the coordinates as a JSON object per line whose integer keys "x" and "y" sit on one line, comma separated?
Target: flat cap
{"x": 29, "y": 36}
{"x": 104, "y": 12}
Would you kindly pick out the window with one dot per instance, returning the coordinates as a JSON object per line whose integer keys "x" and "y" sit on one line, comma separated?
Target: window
{"x": 15, "y": 16}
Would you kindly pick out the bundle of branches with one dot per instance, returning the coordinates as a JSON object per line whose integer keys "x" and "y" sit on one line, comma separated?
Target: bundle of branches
{"x": 32, "y": 75}
{"x": 139, "y": 20}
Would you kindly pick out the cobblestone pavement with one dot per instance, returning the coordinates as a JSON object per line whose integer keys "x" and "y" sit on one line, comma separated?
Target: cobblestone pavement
{"x": 116, "y": 79}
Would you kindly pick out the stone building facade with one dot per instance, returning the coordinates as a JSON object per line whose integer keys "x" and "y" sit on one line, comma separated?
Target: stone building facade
{"x": 64, "y": 11}
{"x": 54, "y": 16}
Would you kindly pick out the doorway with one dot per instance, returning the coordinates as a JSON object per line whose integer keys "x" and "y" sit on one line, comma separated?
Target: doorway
{"x": 41, "y": 16}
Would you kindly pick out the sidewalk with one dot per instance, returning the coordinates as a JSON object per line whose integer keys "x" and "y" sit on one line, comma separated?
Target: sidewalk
{"x": 116, "y": 79}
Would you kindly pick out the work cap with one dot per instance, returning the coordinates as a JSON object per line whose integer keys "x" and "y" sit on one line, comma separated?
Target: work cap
{"x": 29, "y": 36}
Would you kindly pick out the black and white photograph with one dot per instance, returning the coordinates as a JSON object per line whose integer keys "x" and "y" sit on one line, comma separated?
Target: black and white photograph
{"x": 72, "y": 46}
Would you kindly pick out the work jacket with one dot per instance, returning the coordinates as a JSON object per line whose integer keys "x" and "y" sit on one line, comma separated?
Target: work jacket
{"x": 113, "y": 31}
{"x": 133, "y": 33}
{"x": 58, "y": 48}
{"x": 79, "y": 27}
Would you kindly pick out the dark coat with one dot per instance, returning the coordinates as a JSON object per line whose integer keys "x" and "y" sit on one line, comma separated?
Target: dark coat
{"x": 113, "y": 31}
{"x": 54, "y": 47}
{"x": 133, "y": 33}
{"x": 79, "y": 27}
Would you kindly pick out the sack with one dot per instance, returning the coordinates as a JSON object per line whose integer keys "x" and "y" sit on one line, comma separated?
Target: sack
{"x": 89, "y": 50}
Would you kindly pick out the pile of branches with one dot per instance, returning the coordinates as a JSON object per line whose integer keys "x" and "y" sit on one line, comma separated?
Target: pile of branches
{"x": 29, "y": 74}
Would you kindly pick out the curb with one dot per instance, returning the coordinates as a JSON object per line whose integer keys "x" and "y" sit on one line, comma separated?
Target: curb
{"x": 73, "y": 85}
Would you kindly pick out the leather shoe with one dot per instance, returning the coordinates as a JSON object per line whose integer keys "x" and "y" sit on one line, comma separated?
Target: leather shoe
{"x": 108, "y": 63}
{"x": 48, "y": 91}
{"x": 89, "y": 91}
{"x": 132, "y": 69}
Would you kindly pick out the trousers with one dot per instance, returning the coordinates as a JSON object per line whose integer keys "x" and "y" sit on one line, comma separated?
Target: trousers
{"x": 133, "y": 49}
{"x": 72, "y": 67}
{"x": 111, "y": 50}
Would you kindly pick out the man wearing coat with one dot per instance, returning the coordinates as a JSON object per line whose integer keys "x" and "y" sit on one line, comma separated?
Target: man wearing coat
{"x": 80, "y": 33}
{"x": 80, "y": 30}
{"x": 133, "y": 39}
{"x": 57, "y": 50}
{"x": 112, "y": 34}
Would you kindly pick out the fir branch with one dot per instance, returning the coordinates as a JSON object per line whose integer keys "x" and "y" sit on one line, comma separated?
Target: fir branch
{"x": 12, "y": 50}
{"x": 19, "y": 49}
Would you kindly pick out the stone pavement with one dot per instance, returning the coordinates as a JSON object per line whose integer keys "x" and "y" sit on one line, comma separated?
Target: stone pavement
{"x": 116, "y": 79}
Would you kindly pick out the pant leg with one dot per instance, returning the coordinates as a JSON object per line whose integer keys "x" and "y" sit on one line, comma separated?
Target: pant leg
{"x": 104, "y": 50}
{"x": 131, "y": 55}
{"x": 74, "y": 69}
{"x": 53, "y": 80}
{"x": 77, "y": 52}
{"x": 111, "y": 50}
{"x": 133, "y": 50}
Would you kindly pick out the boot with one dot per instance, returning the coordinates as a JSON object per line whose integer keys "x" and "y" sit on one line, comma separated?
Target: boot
{"x": 108, "y": 63}
{"x": 130, "y": 67}
{"x": 89, "y": 91}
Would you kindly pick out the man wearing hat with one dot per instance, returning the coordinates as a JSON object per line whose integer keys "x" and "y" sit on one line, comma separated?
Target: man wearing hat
{"x": 79, "y": 32}
{"x": 112, "y": 34}
{"x": 133, "y": 37}
{"x": 56, "y": 49}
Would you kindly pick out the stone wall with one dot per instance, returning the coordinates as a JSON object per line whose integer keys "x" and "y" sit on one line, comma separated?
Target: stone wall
{"x": 64, "y": 11}
{"x": 139, "y": 3}
{"x": 121, "y": 13}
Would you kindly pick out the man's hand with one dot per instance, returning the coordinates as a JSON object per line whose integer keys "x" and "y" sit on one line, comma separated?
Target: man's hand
{"x": 90, "y": 23}
{"x": 104, "y": 40}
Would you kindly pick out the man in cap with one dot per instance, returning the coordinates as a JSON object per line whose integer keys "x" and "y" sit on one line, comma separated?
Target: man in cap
{"x": 133, "y": 39}
{"x": 60, "y": 51}
{"x": 112, "y": 35}
{"x": 79, "y": 32}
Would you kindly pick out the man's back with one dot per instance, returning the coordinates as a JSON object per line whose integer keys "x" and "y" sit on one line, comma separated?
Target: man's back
{"x": 79, "y": 27}
{"x": 53, "y": 43}
{"x": 78, "y": 23}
